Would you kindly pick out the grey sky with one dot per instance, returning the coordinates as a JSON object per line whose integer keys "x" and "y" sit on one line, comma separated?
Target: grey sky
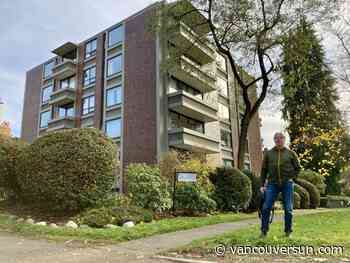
{"x": 30, "y": 29}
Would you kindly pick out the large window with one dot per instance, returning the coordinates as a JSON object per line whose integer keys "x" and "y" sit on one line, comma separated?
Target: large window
{"x": 90, "y": 48}
{"x": 114, "y": 65}
{"x": 224, "y": 113}
{"x": 89, "y": 76}
{"x": 180, "y": 85}
{"x": 66, "y": 111}
{"x": 114, "y": 96}
{"x": 48, "y": 69}
{"x": 180, "y": 121}
{"x": 228, "y": 163}
{"x": 45, "y": 95}
{"x": 115, "y": 36}
{"x": 45, "y": 117}
{"x": 226, "y": 138}
{"x": 113, "y": 128}
{"x": 88, "y": 105}
{"x": 68, "y": 83}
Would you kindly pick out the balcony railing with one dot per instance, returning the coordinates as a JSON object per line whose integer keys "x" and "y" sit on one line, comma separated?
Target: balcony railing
{"x": 192, "y": 44}
{"x": 64, "y": 69}
{"x": 61, "y": 123}
{"x": 62, "y": 96}
{"x": 188, "y": 105}
{"x": 187, "y": 139}
{"x": 188, "y": 72}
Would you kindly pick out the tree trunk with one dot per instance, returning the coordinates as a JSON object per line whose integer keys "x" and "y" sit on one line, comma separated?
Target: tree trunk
{"x": 243, "y": 134}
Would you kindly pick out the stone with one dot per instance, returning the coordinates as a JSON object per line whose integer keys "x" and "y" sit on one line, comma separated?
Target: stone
{"x": 110, "y": 226}
{"x": 41, "y": 223}
{"x": 84, "y": 226}
{"x": 30, "y": 221}
{"x": 53, "y": 225}
{"x": 71, "y": 224}
{"x": 129, "y": 224}
{"x": 20, "y": 220}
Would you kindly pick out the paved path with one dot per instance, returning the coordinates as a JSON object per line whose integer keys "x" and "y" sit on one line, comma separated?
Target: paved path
{"x": 16, "y": 249}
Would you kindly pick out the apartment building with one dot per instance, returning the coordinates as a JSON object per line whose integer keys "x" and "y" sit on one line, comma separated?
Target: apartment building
{"x": 113, "y": 81}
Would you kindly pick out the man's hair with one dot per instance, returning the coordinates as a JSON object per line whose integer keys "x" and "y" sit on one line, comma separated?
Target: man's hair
{"x": 278, "y": 133}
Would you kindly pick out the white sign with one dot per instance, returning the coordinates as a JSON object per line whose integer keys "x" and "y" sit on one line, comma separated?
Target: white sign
{"x": 187, "y": 177}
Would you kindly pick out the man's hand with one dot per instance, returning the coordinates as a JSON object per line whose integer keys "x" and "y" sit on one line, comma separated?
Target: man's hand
{"x": 262, "y": 189}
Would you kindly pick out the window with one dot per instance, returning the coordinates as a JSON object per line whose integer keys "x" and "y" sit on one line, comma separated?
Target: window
{"x": 115, "y": 36}
{"x": 89, "y": 76}
{"x": 68, "y": 83}
{"x": 45, "y": 95}
{"x": 114, "y": 96}
{"x": 113, "y": 128}
{"x": 88, "y": 105}
{"x": 224, "y": 113}
{"x": 180, "y": 85}
{"x": 48, "y": 69}
{"x": 180, "y": 121}
{"x": 90, "y": 48}
{"x": 228, "y": 163}
{"x": 45, "y": 117}
{"x": 66, "y": 111}
{"x": 114, "y": 65}
{"x": 226, "y": 138}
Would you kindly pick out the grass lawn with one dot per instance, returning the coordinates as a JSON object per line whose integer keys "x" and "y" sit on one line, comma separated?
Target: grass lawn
{"x": 327, "y": 228}
{"x": 119, "y": 234}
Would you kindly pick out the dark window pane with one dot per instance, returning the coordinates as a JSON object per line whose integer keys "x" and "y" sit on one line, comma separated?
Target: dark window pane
{"x": 88, "y": 105}
{"x": 90, "y": 48}
{"x": 89, "y": 76}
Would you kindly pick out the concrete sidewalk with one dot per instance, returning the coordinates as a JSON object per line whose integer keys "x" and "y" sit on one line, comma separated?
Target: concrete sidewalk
{"x": 15, "y": 249}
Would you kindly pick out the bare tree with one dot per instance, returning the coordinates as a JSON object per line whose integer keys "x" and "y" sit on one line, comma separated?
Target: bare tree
{"x": 250, "y": 34}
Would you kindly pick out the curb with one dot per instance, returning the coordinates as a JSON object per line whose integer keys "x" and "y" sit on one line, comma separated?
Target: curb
{"x": 183, "y": 260}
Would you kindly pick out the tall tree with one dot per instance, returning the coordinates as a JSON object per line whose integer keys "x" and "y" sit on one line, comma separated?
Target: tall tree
{"x": 309, "y": 102}
{"x": 249, "y": 33}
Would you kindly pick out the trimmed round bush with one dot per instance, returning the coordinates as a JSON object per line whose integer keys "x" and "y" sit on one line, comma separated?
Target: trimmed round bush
{"x": 233, "y": 189}
{"x": 313, "y": 192}
{"x": 192, "y": 200}
{"x": 147, "y": 188}
{"x": 256, "y": 196}
{"x": 131, "y": 213}
{"x": 10, "y": 150}
{"x": 296, "y": 200}
{"x": 68, "y": 170}
{"x": 304, "y": 196}
{"x": 315, "y": 178}
{"x": 98, "y": 217}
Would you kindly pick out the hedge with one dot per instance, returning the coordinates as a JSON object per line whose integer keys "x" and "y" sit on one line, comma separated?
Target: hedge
{"x": 296, "y": 200}
{"x": 313, "y": 192}
{"x": 315, "y": 178}
{"x": 68, "y": 170}
{"x": 233, "y": 190}
{"x": 304, "y": 196}
{"x": 256, "y": 194}
{"x": 10, "y": 150}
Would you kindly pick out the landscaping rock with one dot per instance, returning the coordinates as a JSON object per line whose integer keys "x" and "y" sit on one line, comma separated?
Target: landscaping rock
{"x": 129, "y": 224}
{"x": 71, "y": 224}
{"x": 53, "y": 225}
{"x": 12, "y": 217}
{"x": 20, "y": 220}
{"x": 41, "y": 224}
{"x": 30, "y": 221}
{"x": 84, "y": 226}
{"x": 110, "y": 226}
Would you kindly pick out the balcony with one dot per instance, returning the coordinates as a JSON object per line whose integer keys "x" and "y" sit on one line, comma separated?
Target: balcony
{"x": 188, "y": 105}
{"x": 192, "y": 141}
{"x": 61, "y": 123}
{"x": 62, "y": 96}
{"x": 188, "y": 72}
{"x": 64, "y": 69}
{"x": 192, "y": 45}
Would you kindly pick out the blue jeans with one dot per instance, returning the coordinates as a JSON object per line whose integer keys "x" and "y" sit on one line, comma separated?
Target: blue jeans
{"x": 272, "y": 191}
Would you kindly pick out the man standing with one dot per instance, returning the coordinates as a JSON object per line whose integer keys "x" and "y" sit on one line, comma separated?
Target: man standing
{"x": 280, "y": 166}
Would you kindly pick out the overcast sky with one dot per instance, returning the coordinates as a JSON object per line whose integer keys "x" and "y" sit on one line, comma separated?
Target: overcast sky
{"x": 30, "y": 29}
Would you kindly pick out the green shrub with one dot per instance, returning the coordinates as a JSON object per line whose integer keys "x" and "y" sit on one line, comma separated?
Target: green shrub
{"x": 68, "y": 170}
{"x": 335, "y": 201}
{"x": 256, "y": 195}
{"x": 233, "y": 189}
{"x": 10, "y": 150}
{"x": 296, "y": 200}
{"x": 313, "y": 192}
{"x": 98, "y": 217}
{"x": 315, "y": 178}
{"x": 304, "y": 196}
{"x": 323, "y": 201}
{"x": 131, "y": 213}
{"x": 146, "y": 187}
{"x": 192, "y": 200}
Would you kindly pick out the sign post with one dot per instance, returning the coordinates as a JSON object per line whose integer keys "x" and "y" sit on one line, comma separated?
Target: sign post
{"x": 185, "y": 177}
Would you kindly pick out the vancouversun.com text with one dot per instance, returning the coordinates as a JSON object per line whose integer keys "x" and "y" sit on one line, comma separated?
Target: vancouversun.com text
{"x": 302, "y": 250}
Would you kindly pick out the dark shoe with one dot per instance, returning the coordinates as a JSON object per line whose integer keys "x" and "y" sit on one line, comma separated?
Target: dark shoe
{"x": 263, "y": 234}
{"x": 289, "y": 234}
